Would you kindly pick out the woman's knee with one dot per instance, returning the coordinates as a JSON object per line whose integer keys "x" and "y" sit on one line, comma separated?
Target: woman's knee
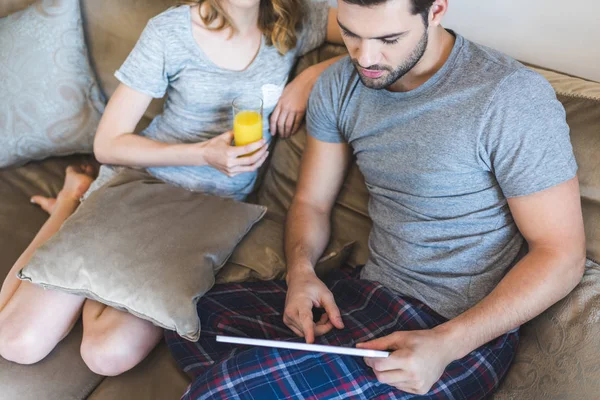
{"x": 22, "y": 345}
{"x": 103, "y": 355}
{"x": 109, "y": 354}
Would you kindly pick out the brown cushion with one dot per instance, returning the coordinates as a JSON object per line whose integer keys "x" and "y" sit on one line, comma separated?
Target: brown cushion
{"x": 144, "y": 246}
{"x": 157, "y": 378}
{"x": 112, "y": 28}
{"x": 558, "y": 357}
{"x": 260, "y": 255}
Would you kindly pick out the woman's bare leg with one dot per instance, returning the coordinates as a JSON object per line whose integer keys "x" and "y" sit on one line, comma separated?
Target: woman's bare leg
{"x": 34, "y": 320}
{"x": 115, "y": 341}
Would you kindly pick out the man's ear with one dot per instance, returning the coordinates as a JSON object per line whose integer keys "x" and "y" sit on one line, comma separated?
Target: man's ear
{"x": 437, "y": 12}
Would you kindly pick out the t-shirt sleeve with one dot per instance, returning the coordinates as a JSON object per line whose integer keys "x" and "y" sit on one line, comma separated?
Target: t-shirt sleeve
{"x": 144, "y": 69}
{"x": 314, "y": 26}
{"x": 322, "y": 113}
{"x": 525, "y": 140}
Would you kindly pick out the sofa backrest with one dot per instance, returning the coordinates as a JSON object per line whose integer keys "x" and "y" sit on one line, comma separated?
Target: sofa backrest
{"x": 350, "y": 220}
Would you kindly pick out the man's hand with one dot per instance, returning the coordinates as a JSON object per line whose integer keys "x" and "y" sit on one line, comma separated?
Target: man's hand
{"x": 418, "y": 360}
{"x": 305, "y": 291}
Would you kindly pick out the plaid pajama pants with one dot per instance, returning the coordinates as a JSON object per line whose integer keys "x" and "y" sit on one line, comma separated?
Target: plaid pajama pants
{"x": 369, "y": 310}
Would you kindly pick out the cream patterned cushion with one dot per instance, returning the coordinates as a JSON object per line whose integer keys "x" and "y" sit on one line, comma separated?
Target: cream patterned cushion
{"x": 51, "y": 104}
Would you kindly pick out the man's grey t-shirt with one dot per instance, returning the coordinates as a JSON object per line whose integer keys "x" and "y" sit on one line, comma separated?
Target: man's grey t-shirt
{"x": 440, "y": 162}
{"x": 167, "y": 59}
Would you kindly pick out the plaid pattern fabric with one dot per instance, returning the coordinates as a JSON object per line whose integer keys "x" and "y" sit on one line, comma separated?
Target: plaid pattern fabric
{"x": 369, "y": 310}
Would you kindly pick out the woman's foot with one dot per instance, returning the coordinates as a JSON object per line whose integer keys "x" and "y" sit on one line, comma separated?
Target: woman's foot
{"x": 77, "y": 181}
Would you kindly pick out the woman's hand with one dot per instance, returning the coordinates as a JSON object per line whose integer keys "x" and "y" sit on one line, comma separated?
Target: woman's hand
{"x": 289, "y": 113}
{"x": 291, "y": 108}
{"x": 221, "y": 155}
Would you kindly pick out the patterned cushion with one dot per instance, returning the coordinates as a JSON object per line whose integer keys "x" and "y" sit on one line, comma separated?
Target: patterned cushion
{"x": 51, "y": 102}
{"x": 559, "y": 350}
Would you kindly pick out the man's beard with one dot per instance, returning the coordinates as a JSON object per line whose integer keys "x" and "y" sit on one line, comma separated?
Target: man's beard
{"x": 389, "y": 79}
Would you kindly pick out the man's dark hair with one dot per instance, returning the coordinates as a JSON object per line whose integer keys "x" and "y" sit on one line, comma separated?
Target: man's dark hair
{"x": 420, "y": 7}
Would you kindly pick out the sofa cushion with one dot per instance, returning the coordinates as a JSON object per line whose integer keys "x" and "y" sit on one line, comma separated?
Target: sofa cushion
{"x": 51, "y": 102}
{"x": 260, "y": 255}
{"x": 19, "y": 222}
{"x": 155, "y": 378}
{"x": 141, "y": 245}
{"x": 558, "y": 353}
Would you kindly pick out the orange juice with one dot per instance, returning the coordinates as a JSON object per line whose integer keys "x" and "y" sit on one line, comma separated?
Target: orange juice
{"x": 247, "y": 128}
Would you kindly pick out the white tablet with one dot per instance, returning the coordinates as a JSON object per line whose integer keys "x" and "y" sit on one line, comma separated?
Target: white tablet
{"x": 349, "y": 351}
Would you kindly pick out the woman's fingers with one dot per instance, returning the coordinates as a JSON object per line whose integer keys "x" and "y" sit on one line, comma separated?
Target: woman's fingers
{"x": 240, "y": 169}
{"x": 297, "y": 122}
{"x": 289, "y": 124}
{"x": 274, "y": 118}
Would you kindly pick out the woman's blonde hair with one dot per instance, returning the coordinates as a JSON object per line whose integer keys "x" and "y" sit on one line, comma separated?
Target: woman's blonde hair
{"x": 278, "y": 20}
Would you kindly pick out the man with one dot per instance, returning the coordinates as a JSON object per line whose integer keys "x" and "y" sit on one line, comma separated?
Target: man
{"x": 467, "y": 158}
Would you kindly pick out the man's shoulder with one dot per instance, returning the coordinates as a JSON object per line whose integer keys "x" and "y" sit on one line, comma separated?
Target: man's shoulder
{"x": 489, "y": 58}
{"x": 504, "y": 75}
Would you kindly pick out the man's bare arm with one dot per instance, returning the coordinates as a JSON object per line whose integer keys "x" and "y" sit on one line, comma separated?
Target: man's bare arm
{"x": 552, "y": 223}
{"x": 308, "y": 223}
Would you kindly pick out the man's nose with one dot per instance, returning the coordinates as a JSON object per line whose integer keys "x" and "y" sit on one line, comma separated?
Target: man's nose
{"x": 368, "y": 53}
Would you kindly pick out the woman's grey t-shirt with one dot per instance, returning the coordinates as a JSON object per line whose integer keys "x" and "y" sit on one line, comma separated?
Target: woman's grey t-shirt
{"x": 440, "y": 162}
{"x": 167, "y": 59}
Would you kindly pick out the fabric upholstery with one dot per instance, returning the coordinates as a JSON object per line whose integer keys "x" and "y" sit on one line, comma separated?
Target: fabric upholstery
{"x": 260, "y": 255}
{"x": 558, "y": 354}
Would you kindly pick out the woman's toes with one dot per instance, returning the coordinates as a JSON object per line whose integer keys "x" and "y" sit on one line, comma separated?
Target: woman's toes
{"x": 46, "y": 203}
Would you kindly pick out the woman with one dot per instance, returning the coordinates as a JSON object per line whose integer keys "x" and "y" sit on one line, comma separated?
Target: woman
{"x": 203, "y": 54}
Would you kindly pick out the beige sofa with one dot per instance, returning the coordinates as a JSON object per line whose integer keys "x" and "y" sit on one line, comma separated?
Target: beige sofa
{"x": 559, "y": 356}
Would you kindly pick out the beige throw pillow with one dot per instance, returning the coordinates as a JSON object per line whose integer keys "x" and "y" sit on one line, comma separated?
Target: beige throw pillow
{"x": 146, "y": 247}
{"x": 51, "y": 104}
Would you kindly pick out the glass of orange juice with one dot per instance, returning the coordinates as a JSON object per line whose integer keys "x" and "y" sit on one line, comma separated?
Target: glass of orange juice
{"x": 247, "y": 119}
